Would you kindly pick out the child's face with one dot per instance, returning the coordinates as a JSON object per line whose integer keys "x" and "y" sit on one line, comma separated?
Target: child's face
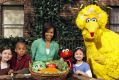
{"x": 78, "y": 55}
{"x": 20, "y": 49}
{"x": 6, "y": 55}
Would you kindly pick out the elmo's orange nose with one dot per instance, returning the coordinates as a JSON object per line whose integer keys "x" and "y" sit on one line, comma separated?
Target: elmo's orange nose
{"x": 92, "y": 34}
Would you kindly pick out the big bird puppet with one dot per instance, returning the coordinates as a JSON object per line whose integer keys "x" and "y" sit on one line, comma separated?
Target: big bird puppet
{"x": 102, "y": 45}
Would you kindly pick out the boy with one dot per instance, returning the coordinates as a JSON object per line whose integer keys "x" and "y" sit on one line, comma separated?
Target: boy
{"x": 20, "y": 61}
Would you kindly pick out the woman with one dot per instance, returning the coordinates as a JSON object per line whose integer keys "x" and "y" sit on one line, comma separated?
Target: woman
{"x": 45, "y": 48}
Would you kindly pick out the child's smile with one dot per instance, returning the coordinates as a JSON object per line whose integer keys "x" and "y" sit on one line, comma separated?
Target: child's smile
{"x": 78, "y": 55}
{"x": 6, "y": 55}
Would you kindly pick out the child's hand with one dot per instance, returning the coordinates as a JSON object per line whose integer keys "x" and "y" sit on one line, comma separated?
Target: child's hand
{"x": 80, "y": 72}
{"x": 11, "y": 71}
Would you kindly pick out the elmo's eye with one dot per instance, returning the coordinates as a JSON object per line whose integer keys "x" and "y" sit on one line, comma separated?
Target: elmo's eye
{"x": 67, "y": 49}
{"x": 63, "y": 50}
{"x": 87, "y": 20}
{"x": 94, "y": 19}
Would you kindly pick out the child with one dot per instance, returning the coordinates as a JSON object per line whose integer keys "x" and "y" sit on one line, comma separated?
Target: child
{"x": 20, "y": 61}
{"x": 6, "y": 55}
{"x": 80, "y": 67}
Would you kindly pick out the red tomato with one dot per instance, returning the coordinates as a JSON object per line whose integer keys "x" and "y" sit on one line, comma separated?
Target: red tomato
{"x": 51, "y": 65}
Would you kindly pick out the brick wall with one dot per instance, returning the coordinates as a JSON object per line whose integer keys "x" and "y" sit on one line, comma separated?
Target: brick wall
{"x": 100, "y": 2}
{"x": 3, "y": 1}
{"x": 29, "y": 11}
{"x": 29, "y": 17}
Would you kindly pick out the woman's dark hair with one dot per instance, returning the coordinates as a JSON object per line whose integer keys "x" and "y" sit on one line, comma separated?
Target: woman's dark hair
{"x": 48, "y": 26}
{"x": 78, "y": 48}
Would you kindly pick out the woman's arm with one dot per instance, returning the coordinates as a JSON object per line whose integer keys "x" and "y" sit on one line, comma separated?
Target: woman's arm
{"x": 34, "y": 48}
{"x": 56, "y": 56}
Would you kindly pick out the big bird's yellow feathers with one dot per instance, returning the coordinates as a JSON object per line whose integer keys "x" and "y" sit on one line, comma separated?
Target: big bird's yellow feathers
{"x": 102, "y": 44}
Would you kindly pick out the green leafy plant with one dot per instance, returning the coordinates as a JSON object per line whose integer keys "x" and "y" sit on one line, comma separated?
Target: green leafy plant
{"x": 69, "y": 36}
{"x": 49, "y": 11}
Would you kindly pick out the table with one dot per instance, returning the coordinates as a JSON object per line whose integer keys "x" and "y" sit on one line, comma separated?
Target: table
{"x": 80, "y": 77}
{"x": 16, "y": 77}
{"x": 28, "y": 77}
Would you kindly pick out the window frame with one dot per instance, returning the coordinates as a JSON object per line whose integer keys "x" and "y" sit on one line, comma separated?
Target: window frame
{"x": 1, "y": 16}
{"x": 9, "y": 3}
{"x": 110, "y": 23}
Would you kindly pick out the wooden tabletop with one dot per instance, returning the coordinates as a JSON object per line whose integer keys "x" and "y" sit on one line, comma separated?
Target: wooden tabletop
{"x": 15, "y": 77}
{"x": 80, "y": 77}
{"x": 28, "y": 77}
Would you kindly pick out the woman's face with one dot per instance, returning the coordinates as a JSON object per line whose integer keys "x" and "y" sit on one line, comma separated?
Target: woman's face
{"x": 6, "y": 55}
{"x": 49, "y": 34}
{"x": 78, "y": 55}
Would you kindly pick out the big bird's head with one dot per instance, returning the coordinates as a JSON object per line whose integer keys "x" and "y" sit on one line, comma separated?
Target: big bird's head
{"x": 91, "y": 20}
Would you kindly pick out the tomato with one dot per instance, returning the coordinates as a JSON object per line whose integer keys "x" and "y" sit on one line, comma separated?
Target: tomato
{"x": 51, "y": 65}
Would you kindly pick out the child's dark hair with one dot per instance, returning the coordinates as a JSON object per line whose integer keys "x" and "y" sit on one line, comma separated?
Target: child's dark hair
{"x": 20, "y": 42}
{"x": 5, "y": 48}
{"x": 78, "y": 48}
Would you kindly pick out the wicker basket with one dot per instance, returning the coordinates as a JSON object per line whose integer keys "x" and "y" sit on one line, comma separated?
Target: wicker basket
{"x": 44, "y": 76}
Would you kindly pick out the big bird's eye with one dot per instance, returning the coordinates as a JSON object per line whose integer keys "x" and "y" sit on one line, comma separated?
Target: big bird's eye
{"x": 94, "y": 19}
{"x": 87, "y": 20}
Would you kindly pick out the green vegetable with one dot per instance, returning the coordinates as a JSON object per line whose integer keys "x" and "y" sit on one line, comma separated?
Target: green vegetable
{"x": 38, "y": 65}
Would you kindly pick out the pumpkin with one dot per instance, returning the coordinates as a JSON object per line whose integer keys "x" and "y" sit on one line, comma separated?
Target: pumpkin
{"x": 50, "y": 70}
